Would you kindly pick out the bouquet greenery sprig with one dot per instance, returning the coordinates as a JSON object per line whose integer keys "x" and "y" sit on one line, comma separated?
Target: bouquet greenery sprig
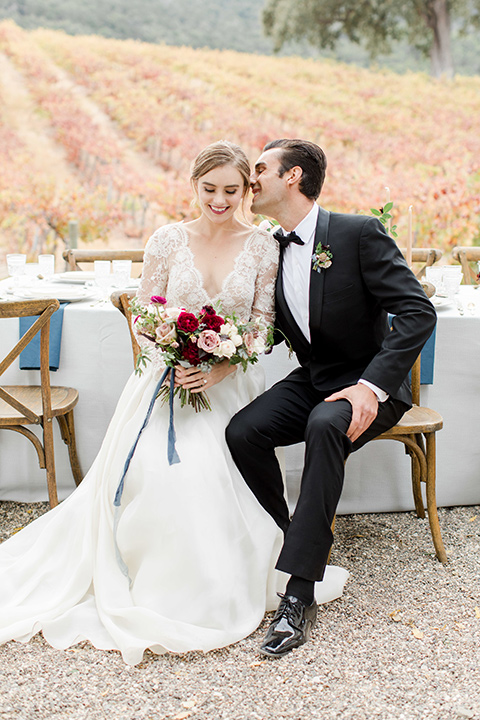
{"x": 196, "y": 340}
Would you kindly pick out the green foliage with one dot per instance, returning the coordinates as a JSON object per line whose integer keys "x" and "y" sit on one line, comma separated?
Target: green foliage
{"x": 377, "y": 24}
{"x": 384, "y": 215}
{"x": 391, "y": 34}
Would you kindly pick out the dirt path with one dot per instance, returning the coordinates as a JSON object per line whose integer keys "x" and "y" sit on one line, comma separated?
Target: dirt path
{"x": 19, "y": 110}
{"x": 138, "y": 161}
{"x": 47, "y": 158}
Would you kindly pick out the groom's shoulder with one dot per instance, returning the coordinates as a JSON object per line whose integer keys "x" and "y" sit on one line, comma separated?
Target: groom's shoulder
{"x": 352, "y": 220}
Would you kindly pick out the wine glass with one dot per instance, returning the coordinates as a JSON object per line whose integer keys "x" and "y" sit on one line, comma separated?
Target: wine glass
{"x": 121, "y": 273}
{"x": 46, "y": 265}
{"x": 103, "y": 276}
{"x": 16, "y": 266}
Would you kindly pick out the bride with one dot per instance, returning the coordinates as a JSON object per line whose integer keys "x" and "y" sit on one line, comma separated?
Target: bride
{"x": 199, "y": 549}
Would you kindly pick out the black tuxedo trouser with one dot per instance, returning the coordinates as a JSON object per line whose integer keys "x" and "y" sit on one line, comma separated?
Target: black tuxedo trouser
{"x": 293, "y": 411}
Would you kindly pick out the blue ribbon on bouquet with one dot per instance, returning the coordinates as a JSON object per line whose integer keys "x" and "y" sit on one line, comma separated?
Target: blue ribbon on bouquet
{"x": 172, "y": 455}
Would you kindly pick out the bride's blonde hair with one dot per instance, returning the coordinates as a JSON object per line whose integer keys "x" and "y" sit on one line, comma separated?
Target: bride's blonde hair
{"x": 216, "y": 155}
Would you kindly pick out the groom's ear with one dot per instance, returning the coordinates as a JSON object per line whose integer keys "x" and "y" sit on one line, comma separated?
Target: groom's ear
{"x": 294, "y": 175}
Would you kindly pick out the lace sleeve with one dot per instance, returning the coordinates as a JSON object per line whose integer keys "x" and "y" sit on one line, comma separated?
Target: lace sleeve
{"x": 155, "y": 272}
{"x": 264, "y": 299}
{"x": 153, "y": 282}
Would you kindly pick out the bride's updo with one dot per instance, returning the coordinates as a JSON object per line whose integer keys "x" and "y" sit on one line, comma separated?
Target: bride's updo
{"x": 218, "y": 154}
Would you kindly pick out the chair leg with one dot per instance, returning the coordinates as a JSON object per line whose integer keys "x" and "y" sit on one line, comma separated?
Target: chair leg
{"x": 67, "y": 429}
{"x": 416, "y": 487}
{"x": 431, "y": 500}
{"x": 50, "y": 462}
{"x": 333, "y": 530}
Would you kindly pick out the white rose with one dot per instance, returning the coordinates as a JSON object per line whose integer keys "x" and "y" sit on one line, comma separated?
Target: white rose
{"x": 225, "y": 349}
{"x": 173, "y": 313}
{"x": 259, "y": 345}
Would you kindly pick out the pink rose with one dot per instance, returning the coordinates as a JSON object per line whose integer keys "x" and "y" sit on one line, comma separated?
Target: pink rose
{"x": 254, "y": 343}
{"x": 249, "y": 341}
{"x": 208, "y": 340}
{"x": 165, "y": 334}
{"x": 158, "y": 300}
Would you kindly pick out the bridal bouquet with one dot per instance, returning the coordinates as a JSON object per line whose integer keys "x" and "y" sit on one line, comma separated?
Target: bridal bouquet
{"x": 196, "y": 340}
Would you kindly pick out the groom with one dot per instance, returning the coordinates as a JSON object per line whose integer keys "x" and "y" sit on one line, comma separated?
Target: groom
{"x": 339, "y": 276}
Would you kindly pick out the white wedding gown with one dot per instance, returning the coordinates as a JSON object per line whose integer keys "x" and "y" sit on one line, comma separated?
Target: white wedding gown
{"x": 200, "y": 550}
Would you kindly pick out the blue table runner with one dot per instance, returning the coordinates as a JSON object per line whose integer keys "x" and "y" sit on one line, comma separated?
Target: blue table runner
{"x": 30, "y": 357}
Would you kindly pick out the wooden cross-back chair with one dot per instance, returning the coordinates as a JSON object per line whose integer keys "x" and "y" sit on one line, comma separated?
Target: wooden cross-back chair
{"x": 426, "y": 256}
{"x": 465, "y": 256}
{"x": 75, "y": 257}
{"x": 121, "y": 299}
{"x": 22, "y": 405}
{"x": 417, "y": 431}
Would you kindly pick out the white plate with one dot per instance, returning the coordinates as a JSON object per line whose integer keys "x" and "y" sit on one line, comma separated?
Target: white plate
{"x": 75, "y": 277}
{"x": 64, "y": 294}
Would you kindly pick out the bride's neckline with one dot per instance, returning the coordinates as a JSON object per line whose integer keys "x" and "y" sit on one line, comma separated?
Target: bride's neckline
{"x": 213, "y": 298}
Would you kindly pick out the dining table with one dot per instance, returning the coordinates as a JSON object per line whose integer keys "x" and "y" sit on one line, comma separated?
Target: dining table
{"x": 96, "y": 358}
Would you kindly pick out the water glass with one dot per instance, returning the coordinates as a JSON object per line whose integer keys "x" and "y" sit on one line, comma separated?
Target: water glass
{"x": 121, "y": 273}
{"x": 434, "y": 275}
{"x": 31, "y": 273}
{"x": 47, "y": 266}
{"x": 103, "y": 277}
{"x": 16, "y": 266}
{"x": 452, "y": 283}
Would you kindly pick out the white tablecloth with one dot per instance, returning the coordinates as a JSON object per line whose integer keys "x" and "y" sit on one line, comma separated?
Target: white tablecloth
{"x": 96, "y": 359}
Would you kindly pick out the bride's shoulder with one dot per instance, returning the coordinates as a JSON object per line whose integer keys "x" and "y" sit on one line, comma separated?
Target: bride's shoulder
{"x": 262, "y": 242}
{"x": 165, "y": 239}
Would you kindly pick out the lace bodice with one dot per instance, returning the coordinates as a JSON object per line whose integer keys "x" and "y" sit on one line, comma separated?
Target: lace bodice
{"x": 248, "y": 290}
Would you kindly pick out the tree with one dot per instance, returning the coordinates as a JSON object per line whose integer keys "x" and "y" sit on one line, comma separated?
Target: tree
{"x": 426, "y": 24}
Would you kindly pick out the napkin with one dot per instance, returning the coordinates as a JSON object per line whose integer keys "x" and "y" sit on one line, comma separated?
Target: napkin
{"x": 427, "y": 357}
{"x": 427, "y": 360}
{"x": 30, "y": 357}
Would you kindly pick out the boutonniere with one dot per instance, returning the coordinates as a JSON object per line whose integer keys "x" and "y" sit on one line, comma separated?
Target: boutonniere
{"x": 322, "y": 257}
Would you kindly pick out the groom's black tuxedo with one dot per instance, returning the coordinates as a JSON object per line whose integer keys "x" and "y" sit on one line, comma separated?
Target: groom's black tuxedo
{"x": 349, "y": 302}
{"x": 351, "y": 339}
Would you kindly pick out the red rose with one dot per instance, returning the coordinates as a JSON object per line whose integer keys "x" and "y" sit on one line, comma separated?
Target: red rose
{"x": 213, "y": 322}
{"x": 187, "y": 322}
{"x": 208, "y": 310}
{"x": 190, "y": 353}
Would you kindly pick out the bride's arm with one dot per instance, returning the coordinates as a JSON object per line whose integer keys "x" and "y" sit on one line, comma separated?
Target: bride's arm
{"x": 153, "y": 282}
{"x": 264, "y": 300}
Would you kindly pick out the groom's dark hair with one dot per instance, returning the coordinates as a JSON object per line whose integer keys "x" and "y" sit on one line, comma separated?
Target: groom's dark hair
{"x": 309, "y": 157}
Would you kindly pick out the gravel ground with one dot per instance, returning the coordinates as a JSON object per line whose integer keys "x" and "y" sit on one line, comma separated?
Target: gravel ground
{"x": 403, "y": 642}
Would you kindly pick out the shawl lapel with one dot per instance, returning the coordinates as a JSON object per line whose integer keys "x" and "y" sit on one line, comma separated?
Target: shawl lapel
{"x": 291, "y": 329}
{"x": 317, "y": 279}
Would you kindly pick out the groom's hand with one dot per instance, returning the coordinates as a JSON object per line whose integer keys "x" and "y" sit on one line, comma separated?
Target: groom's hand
{"x": 364, "y": 404}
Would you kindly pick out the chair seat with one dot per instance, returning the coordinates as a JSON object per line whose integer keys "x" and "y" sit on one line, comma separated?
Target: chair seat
{"x": 63, "y": 400}
{"x": 416, "y": 420}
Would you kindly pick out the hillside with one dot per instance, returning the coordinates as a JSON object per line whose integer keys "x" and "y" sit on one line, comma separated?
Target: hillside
{"x": 103, "y": 131}
{"x": 215, "y": 24}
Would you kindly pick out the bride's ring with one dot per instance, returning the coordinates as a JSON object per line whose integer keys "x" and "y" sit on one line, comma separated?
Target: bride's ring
{"x": 204, "y": 381}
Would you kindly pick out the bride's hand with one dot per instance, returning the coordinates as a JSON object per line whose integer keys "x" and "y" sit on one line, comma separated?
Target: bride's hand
{"x": 195, "y": 380}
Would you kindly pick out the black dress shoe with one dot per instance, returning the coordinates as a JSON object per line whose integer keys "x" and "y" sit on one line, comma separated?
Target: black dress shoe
{"x": 290, "y": 627}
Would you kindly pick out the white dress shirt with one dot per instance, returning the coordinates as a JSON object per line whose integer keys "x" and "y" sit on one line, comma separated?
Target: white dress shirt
{"x": 296, "y": 270}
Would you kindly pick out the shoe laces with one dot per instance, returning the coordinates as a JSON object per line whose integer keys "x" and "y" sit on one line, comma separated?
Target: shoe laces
{"x": 290, "y": 608}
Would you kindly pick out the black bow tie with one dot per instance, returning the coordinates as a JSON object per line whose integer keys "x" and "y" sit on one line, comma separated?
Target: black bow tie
{"x": 285, "y": 240}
